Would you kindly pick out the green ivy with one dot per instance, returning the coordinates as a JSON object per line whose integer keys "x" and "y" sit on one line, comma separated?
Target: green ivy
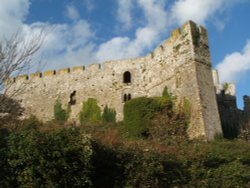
{"x": 109, "y": 115}
{"x": 60, "y": 115}
{"x": 139, "y": 112}
{"x": 91, "y": 112}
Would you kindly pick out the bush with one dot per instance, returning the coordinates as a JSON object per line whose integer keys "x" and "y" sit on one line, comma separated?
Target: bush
{"x": 220, "y": 164}
{"x": 60, "y": 115}
{"x": 139, "y": 112}
{"x": 149, "y": 169}
{"x": 166, "y": 95}
{"x": 108, "y": 115}
{"x": 57, "y": 159}
{"x": 91, "y": 112}
{"x": 131, "y": 167}
{"x": 5, "y": 169}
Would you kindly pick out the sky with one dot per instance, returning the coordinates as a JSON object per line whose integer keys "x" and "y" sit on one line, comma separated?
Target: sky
{"x": 81, "y": 32}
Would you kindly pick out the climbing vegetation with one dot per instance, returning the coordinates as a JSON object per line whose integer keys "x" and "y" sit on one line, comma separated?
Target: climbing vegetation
{"x": 91, "y": 112}
{"x": 139, "y": 113}
{"x": 108, "y": 115}
{"x": 60, "y": 115}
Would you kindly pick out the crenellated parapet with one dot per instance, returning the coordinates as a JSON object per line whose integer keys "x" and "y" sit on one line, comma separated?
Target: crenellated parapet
{"x": 49, "y": 73}
{"x": 198, "y": 35}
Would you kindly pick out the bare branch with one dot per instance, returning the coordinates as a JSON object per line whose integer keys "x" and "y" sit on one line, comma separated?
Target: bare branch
{"x": 17, "y": 56}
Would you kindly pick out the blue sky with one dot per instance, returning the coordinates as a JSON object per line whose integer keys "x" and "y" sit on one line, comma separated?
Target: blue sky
{"x": 81, "y": 32}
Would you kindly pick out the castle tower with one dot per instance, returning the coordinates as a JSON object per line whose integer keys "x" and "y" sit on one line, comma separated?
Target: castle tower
{"x": 198, "y": 84}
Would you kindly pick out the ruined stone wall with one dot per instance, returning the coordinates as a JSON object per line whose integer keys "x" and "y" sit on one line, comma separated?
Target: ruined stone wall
{"x": 182, "y": 64}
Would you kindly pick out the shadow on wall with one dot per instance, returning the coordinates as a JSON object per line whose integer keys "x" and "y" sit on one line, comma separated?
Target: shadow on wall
{"x": 229, "y": 115}
{"x": 233, "y": 120}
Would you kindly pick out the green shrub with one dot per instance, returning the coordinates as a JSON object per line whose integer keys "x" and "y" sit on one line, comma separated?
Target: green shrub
{"x": 91, "y": 112}
{"x": 131, "y": 167}
{"x": 108, "y": 115}
{"x": 186, "y": 108}
{"x": 142, "y": 169}
{"x": 5, "y": 169}
{"x": 139, "y": 112}
{"x": 108, "y": 167}
{"x": 166, "y": 94}
{"x": 60, "y": 115}
{"x": 54, "y": 159}
{"x": 30, "y": 123}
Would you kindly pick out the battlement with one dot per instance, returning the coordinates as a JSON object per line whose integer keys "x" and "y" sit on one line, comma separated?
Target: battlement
{"x": 48, "y": 73}
{"x": 196, "y": 32}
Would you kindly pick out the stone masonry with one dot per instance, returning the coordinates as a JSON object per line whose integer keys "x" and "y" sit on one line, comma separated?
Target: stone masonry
{"x": 182, "y": 64}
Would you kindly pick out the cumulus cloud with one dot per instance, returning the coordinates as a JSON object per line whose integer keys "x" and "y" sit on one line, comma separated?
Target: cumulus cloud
{"x": 68, "y": 45}
{"x": 64, "y": 45}
{"x": 234, "y": 65}
{"x": 12, "y": 14}
{"x": 124, "y": 13}
{"x": 197, "y": 11}
{"x": 145, "y": 37}
{"x": 72, "y": 12}
{"x": 201, "y": 11}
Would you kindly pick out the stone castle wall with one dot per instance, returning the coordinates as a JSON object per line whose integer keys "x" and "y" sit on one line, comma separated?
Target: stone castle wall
{"x": 182, "y": 64}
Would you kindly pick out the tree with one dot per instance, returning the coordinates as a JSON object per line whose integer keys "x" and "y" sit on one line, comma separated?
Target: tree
{"x": 10, "y": 110}
{"x": 17, "y": 55}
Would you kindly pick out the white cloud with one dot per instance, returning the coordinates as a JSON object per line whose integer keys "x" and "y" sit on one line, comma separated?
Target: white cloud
{"x": 12, "y": 13}
{"x": 145, "y": 37}
{"x": 69, "y": 45}
{"x": 235, "y": 65}
{"x": 155, "y": 14}
{"x": 200, "y": 11}
{"x": 124, "y": 13}
{"x": 115, "y": 48}
{"x": 72, "y": 12}
{"x": 89, "y": 5}
{"x": 197, "y": 11}
{"x": 64, "y": 45}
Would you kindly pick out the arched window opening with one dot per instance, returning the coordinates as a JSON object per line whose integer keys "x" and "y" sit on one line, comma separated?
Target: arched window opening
{"x": 129, "y": 96}
{"x": 127, "y": 77}
{"x": 72, "y": 100}
{"x": 125, "y": 98}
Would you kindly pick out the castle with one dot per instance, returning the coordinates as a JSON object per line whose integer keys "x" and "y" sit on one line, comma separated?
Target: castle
{"x": 182, "y": 64}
